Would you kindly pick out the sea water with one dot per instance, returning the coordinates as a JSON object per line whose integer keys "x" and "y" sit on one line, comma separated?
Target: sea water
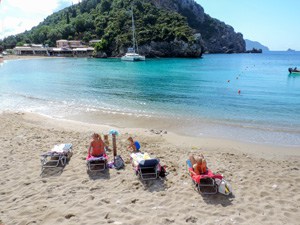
{"x": 250, "y": 97}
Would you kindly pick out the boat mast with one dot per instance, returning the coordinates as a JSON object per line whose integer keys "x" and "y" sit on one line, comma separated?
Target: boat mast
{"x": 134, "y": 42}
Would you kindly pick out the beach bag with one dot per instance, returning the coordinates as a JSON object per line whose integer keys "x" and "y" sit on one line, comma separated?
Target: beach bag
{"x": 163, "y": 171}
{"x": 223, "y": 187}
{"x": 119, "y": 162}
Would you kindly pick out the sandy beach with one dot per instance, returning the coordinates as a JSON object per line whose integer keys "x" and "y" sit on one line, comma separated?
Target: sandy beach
{"x": 17, "y": 57}
{"x": 264, "y": 179}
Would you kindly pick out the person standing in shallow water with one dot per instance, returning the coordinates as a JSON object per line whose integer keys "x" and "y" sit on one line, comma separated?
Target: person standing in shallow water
{"x": 96, "y": 147}
{"x": 134, "y": 146}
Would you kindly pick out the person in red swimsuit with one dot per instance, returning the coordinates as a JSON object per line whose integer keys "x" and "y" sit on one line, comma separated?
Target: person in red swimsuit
{"x": 96, "y": 148}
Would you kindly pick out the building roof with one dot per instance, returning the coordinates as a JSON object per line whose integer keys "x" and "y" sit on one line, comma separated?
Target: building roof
{"x": 21, "y": 48}
{"x": 94, "y": 41}
{"x": 83, "y": 49}
{"x": 62, "y": 50}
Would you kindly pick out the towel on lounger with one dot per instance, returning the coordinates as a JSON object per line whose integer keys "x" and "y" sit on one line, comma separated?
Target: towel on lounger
{"x": 61, "y": 148}
{"x": 93, "y": 158}
{"x": 139, "y": 157}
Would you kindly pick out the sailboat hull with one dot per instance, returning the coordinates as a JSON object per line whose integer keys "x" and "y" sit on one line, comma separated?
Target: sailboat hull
{"x": 133, "y": 58}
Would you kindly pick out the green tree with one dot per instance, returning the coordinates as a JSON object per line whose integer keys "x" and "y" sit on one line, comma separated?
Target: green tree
{"x": 101, "y": 45}
{"x": 68, "y": 17}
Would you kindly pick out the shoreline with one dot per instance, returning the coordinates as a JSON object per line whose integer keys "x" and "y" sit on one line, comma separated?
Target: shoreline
{"x": 181, "y": 126}
{"x": 261, "y": 149}
{"x": 185, "y": 127}
{"x": 20, "y": 57}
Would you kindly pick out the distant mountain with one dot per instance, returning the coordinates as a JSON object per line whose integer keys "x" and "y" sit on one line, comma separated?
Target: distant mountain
{"x": 255, "y": 44}
{"x": 290, "y": 50}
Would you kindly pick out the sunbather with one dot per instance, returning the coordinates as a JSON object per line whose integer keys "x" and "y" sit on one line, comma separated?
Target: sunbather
{"x": 134, "y": 146}
{"x": 96, "y": 148}
{"x": 199, "y": 164}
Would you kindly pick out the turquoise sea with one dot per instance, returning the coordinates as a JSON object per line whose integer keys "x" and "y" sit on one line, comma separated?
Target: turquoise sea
{"x": 198, "y": 96}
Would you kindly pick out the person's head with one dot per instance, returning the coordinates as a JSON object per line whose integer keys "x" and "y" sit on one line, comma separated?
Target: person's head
{"x": 130, "y": 139}
{"x": 105, "y": 137}
{"x": 198, "y": 160}
{"x": 95, "y": 136}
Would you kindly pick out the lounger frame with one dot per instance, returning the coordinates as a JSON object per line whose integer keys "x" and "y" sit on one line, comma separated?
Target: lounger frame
{"x": 149, "y": 169}
{"x": 206, "y": 186}
{"x": 101, "y": 164}
{"x": 55, "y": 159}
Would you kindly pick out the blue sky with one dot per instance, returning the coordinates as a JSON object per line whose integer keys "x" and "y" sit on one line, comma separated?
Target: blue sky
{"x": 274, "y": 23}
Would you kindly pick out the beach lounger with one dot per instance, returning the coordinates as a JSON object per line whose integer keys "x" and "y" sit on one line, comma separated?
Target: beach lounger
{"x": 146, "y": 167}
{"x": 57, "y": 156}
{"x": 205, "y": 183}
{"x": 96, "y": 163}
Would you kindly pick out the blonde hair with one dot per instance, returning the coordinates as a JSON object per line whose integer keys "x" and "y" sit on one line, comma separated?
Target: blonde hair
{"x": 198, "y": 159}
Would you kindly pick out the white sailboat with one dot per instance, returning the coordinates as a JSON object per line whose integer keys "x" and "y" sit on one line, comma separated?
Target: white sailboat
{"x": 132, "y": 53}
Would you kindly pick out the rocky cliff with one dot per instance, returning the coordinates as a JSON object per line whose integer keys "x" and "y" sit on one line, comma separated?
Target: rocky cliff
{"x": 176, "y": 48}
{"x": 217, "y": 37}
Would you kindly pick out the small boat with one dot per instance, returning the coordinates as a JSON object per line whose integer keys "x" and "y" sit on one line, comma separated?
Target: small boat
{"x": 295, "y": 70}
{"x": 132, "y": 53}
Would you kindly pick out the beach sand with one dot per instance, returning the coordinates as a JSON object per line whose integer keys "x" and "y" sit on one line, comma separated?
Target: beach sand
{"x": 264, "y": 179}
{"x": 16, "y": 57}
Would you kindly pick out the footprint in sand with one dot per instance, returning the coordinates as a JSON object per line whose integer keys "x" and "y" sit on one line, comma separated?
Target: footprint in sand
{"x": 191, "y": 219}
{"x": 68, "y": 216}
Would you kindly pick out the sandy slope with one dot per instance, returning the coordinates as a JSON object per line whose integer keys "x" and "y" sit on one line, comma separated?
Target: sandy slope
{"x": 265, "y": 179}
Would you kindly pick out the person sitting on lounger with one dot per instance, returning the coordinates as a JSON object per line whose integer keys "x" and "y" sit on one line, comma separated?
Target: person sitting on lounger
{"x": 96, "y": 148}
{"x": 199, "y": 164}
{"x": 134, "y": 146}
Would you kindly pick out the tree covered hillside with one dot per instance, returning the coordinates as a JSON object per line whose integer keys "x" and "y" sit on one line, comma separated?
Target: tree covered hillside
{"x": 109, "y": 20}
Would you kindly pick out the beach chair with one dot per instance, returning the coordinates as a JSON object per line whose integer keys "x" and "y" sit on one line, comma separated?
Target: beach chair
{"x": 205, "y": 183}
{"x": 96, "y": 163}
{"x": 146, "y": 168}
{"x": 57, "y": 156}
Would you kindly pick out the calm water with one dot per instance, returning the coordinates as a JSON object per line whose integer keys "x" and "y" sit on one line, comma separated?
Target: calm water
{"x": 201, "y": 92}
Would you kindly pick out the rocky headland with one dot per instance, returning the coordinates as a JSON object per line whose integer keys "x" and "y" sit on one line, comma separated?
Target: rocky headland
{"x": 164, "y": 28}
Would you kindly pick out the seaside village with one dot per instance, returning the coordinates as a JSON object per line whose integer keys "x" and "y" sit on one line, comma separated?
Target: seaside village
{"x": 64, "y": 48}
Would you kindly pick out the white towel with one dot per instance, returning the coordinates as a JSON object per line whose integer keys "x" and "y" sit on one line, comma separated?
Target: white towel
{"x": 61, "y": 148}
